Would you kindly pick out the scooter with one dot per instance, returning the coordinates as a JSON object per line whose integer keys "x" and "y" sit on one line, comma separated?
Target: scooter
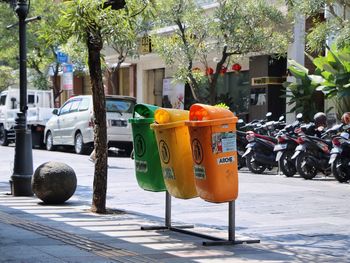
{"x": 340, "y": 156}
{"x": 312, "y": 155}
{"x": 259, "y": 154}
{"x": 287, "y": 142}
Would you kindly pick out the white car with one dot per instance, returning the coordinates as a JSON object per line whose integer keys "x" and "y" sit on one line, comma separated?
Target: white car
{"x": 72, "y": 124}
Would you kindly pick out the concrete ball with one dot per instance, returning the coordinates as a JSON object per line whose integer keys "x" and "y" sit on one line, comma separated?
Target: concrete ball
{"x": 54, "y": 182}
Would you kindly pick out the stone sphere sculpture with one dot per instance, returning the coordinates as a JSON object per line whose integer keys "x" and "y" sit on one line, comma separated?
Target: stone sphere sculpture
{"x": 54, "y": 182}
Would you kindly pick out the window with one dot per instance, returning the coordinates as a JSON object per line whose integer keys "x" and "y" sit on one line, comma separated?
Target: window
{"x": 3, "y": 100}
{"x": 119, "y": 105}
{"x": 31, "y": 99}
{"x": 75, "y": 105}
{"x": 65, "y": 108}
{"x": 84, "y": 104}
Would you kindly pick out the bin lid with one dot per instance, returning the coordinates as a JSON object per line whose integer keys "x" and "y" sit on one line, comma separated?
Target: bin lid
{"x": 146, "y": 111}
{"x": 164, "y": 115}
{"x": 203, "y": 112}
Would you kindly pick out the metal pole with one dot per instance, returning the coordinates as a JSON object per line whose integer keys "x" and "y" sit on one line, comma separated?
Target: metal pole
{"x": 167, "y": 209}
{"x": 23, "y": 162}
{"x": 231, "y": 220}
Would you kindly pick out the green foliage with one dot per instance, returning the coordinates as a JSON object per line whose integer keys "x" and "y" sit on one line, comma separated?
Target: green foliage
{"x": 335, "y": 27}
{"x": 235, "y": 28}
{"x": 222, "y": 105}
{"x": 301, "y": 92}
{"x": 334, "y": 76}
{"x": 42, "y": 39}
{"x": 9, "y": 38}
{"x": 7, "y": 77}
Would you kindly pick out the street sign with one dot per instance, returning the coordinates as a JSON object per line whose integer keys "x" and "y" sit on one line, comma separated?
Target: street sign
{"x": 62, "y": 57}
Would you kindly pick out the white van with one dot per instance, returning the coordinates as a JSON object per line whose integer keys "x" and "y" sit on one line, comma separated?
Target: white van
{"x": 72, "y": 124}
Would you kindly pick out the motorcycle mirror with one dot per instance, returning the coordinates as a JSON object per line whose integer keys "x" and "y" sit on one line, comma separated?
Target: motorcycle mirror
{"x": 299, "y": 116}
{"x": 240, "y": 121}
{"x": 269, "y": 114}
{"x": 320, "y": 128}
{"x": 281, "y": 118}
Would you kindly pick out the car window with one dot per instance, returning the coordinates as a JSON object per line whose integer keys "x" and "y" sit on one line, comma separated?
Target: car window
{"x": 65, "y": 108}
{"x": 75, "y": 105}
{"x": 119, "y": 105}
{"x": 2, "y": 100}
{"x": 31, "y": 99}
{"x": 84, "y": 104}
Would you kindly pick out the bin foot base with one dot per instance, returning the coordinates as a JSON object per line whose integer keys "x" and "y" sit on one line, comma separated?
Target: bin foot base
{"x": 215, "y": 241}
{"x": 229, "y": 243}
{"x": 165, "y": 227}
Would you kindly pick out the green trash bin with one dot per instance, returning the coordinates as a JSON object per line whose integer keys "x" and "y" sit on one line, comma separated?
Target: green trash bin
{"x": 147, "y": 163}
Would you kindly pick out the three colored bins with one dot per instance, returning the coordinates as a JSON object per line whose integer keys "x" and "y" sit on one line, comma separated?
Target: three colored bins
{"x": 190, "y": 153}
{"x": 147, "y": 163}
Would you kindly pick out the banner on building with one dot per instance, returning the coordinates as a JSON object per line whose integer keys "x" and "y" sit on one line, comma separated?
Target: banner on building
{"x": 173, "y": 94}
{"x": 146, "y": 45}
{"x": 68, "y": 77}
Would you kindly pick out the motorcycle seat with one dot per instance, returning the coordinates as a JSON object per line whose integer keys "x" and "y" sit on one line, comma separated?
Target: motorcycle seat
{"x": 266, "y": 137}
{"x": 326, "y": 141}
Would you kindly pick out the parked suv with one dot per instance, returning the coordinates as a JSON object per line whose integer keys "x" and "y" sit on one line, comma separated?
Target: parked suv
{"x": 72, "y": 124}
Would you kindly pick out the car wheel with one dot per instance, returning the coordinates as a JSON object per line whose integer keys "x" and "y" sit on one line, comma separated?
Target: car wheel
{"x": 49, "y": 142}
{"x": 79, "y": 145}
{"x": 3, "y": 136}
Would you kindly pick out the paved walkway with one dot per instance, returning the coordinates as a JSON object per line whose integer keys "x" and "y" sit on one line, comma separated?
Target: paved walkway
{"x": 296, "y": 220}
{"x": 33, "y": 232}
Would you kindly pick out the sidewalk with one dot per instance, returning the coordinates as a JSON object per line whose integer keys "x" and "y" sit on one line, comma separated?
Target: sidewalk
{"x": 33, "y": 232}
{"x": 296, "y": 220}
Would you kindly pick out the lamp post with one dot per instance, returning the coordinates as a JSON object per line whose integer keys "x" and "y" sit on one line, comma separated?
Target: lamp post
{"x": 23, "y": 162}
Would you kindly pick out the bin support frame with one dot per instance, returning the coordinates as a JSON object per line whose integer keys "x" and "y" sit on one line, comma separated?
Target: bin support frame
{"x": 215, "y": 241}
{"x": 167, "y": 224}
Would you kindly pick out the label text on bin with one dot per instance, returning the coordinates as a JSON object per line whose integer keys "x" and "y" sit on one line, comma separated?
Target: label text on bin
{"x": 168, "y": 173}
{"x": 141, "y": 166}
{"x": 225, "y": 160}
{"x": 199, "y": 172}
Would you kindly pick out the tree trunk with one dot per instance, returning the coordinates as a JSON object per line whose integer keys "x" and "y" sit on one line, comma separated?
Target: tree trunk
{"x": 95, "y": 44}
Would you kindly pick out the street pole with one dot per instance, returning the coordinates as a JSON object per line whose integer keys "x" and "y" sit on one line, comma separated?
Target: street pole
{"x": 23, "y": 162}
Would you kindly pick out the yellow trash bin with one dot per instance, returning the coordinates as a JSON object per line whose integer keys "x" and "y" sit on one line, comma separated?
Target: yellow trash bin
{"x": 213, "y": 141}
{"x": 175, "y": 152}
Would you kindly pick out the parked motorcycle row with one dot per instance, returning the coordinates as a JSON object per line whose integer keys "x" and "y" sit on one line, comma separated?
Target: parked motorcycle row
{"x": 303, "y": 148}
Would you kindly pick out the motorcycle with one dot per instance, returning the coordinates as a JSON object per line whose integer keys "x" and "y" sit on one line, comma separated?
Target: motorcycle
{"x": 287, "y": 142}
{"x": 259, "y": 154}
{"x": 242, "y": 141}
{"x": 241, "y": 144}
{"x": 340, "y": 156}
{"x": 313, "y": 153}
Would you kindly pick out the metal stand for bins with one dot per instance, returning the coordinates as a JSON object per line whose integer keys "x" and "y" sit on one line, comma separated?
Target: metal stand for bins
{"x": 215, "y": 241}
{"x": 167, "y": 225}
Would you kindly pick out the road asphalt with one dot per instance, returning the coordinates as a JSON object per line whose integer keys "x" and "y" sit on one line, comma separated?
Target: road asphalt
{"x": 296, "y": 220}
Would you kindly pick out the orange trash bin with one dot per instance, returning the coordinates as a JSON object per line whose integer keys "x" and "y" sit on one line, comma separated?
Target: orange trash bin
{"x": 175, "y": 152}
{"x": 213, "y": 141}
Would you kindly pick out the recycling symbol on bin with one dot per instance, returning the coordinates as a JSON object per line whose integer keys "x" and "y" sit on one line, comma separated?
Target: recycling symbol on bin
{"x": 197, "y": 151}
{"x": 139, "y": 145}
{"x": 164, "y": 151}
